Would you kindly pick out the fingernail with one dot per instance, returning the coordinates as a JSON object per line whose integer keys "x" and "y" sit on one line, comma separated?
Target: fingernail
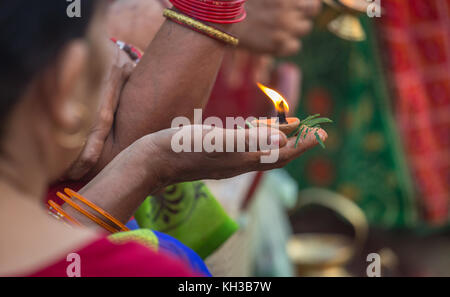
{"x": 323, "y": 135}
{"x": 275, "y": 139}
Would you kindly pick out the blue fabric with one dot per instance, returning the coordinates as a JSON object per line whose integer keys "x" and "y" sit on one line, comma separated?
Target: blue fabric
{"x": 132, "y": 225}
{"x": 174, "y": 247}
{"x": 177, "y": 249}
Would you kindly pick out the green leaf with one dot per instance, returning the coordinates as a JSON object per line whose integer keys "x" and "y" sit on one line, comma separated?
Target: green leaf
{"x": 301, "y": 130}
{"x": 298, "y": 136}
{"x": 296, "y": 141}
{"x": 310, "y": 123}
{"x": 319, "y": 140}
{"x": 308, "y": 118}
{"x": 319, "y": 121}
{"x": 294, "y": 132}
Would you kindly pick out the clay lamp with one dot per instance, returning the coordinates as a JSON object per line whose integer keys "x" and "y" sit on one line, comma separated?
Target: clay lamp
{"x": 287, "y": 125}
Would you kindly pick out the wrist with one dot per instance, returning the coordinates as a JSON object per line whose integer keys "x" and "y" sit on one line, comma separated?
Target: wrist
{"x": 156, "y": 160}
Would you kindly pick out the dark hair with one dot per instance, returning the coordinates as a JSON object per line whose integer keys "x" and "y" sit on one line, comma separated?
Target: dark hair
{"x": 32, "y": 33}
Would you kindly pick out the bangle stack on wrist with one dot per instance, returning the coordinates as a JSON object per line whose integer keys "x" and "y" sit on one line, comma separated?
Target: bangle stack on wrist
{"x": 103, "y": 218}
{"x": 192, "y": 14}
{"x": 213, "y": 11}
{"x": 200, "y": 27}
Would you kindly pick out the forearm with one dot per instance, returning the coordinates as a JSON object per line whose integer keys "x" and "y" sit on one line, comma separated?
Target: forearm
{"x": 174, "y": 77}
{"x": 149, "y": 165}
{"x": 121, "y": 187}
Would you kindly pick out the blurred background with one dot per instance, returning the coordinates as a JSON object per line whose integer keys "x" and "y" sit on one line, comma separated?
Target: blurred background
{"x": 382, "y": 183}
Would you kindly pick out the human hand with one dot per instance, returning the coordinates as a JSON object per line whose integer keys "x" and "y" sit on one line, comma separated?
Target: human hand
{"x": 120, "y": 70}
{"x": 261, "y": 149}
{"x": 275, "y": 26}
{"x": 151, "y": 163}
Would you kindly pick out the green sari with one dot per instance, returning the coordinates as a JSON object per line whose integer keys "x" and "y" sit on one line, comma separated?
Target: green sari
{"x": 364, "y": 159}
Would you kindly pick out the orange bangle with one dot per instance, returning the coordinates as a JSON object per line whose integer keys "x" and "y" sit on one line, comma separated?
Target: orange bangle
{"x": 99, "y": 210}
{"x": 60, "y": 211}
{"x": 86, "y": 213}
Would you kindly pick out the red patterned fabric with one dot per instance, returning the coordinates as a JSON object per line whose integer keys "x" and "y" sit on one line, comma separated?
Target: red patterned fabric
{"x": 416, "y": 34}
{"x": 102, "y": 258}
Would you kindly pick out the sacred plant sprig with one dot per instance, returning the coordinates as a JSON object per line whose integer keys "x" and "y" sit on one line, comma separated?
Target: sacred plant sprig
{"x": 310, "y": 123}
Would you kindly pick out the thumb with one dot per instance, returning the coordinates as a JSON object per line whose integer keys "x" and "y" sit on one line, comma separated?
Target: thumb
{"x": 265, "y": 138}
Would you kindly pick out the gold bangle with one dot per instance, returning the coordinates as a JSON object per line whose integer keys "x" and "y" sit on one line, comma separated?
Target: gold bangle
{"x": 200, "y": 27}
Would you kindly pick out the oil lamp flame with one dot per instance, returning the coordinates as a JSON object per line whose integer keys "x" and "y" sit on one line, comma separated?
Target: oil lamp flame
{"x": 280, "y": 103}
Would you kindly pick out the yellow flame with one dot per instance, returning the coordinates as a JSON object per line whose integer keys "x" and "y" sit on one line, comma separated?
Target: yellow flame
{"x": 280, "y": 103}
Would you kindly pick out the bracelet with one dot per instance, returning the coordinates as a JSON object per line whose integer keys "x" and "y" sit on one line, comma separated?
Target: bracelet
{"x": 68, "y": 197}
{"x": 214, "y": 11}
{"x": 86, "y": 213}
{"x": 200, "y": 27}
{"x": 99, "y": 210}
{"x": 53, "y": 206}
{"x": 134, "y": 53}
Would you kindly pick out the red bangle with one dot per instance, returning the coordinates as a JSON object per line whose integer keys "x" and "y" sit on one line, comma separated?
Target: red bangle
{"x": 222, "y": 2}
{"x": 205, "y": 14}
{"x": 203, "y": 5}
{"x": 214, "y": 11}
{"x": 244, "y": 15}
{"x": 198, "y": 4}
{"x": 213, "y": 19}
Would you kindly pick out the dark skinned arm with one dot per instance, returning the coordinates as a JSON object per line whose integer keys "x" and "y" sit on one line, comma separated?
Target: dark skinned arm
{"x": 175, "y": 76}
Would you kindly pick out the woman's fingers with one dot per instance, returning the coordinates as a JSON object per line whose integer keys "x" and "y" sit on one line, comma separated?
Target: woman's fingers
{"x": 204, "y": 152}
{"x": 292, "y": 151}
{"x": 112, "y": 87}
{"x": 289, "y": 47}
{"x": 256, "y": 141}
{"x": 302, "y": 27}
{"x": 119, "y": 76}
{"x": 285, "y": 43}
{"x": 274, "y": 26}
{"x": 309, "y": 8}
{"x": 214, "y": 140}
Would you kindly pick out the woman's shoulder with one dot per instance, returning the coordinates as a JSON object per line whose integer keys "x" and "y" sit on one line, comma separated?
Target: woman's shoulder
{"x": 102, "y": 258}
